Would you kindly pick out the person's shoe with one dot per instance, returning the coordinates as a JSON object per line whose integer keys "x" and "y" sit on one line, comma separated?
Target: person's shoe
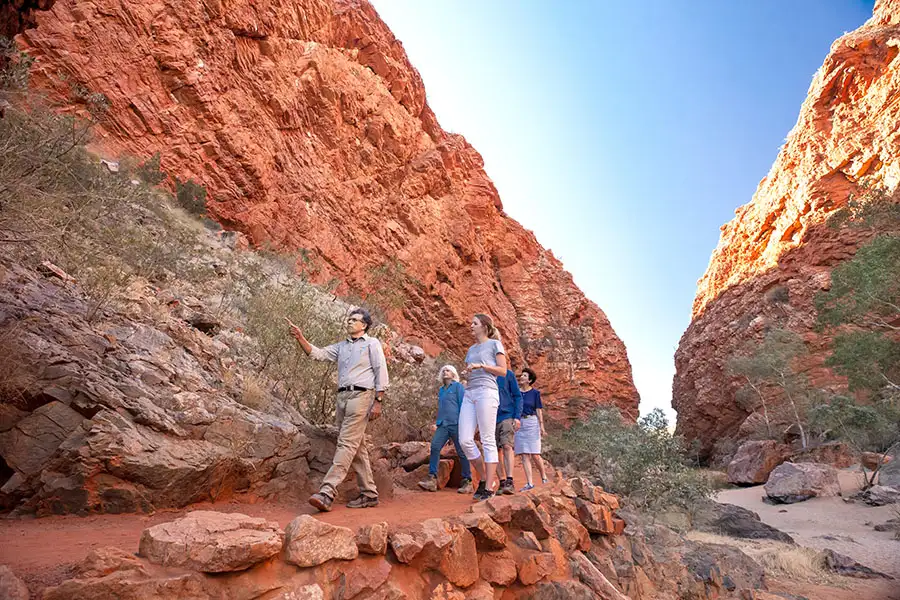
{"x": 363, "y": 501}
{"x": 485, "y": 495}
{"x": 430, "y": 484}
{"x": 507, "y": 488}
{"x": 465, "y": 486}
{"x": 480, "y": 491}
{"x": 321, "y": 502}
{"x": 527, "y": 487}
{"x": 544, "y": 480}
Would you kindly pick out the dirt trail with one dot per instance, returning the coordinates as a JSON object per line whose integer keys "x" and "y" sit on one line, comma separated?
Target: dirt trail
{"x": 845, "y": 527}
{"x": 44, "y": 551}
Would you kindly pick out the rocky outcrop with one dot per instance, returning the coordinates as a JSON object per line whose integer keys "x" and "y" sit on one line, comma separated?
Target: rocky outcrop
{"x": 310, "y": 129}
{"x": 439, "y": 559}
{"x": 129, "y": 414}
{"x": 777, "y": 252}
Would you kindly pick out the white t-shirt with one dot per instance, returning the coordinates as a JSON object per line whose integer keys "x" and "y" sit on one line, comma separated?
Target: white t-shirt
{"x": 484, "y": 353}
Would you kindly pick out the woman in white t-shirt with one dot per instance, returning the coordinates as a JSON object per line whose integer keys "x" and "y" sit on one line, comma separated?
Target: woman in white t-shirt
{"x": 485, "y": 361}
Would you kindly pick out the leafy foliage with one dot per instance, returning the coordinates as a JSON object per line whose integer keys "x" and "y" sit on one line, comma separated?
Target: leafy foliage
{"x": 767, "y": 367}
{"x": 642, "y": 461}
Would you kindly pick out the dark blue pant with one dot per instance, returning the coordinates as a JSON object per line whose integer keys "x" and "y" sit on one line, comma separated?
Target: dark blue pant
{"x": 444, "y": 433}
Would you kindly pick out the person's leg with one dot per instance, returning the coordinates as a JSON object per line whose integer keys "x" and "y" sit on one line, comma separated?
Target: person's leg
{"x": 467, "y": 423}
{"x": 486, "y": 413}
{"x": 437, "y": 444}
{"x": 498, "y": 436}
{"x": 526, "y": 465}
{"x": 508, "y": 459}
{"x": 540, "y": 465}
{"x": 465, "y": 467}
{"x": 351, "y": 437}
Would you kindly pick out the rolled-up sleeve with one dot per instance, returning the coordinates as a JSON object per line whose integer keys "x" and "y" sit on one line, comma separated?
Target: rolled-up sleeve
{"x": 379, "y": 365}
{"x": 328, "y": 353}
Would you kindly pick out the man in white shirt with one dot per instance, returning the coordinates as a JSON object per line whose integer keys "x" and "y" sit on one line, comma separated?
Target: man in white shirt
{"x": 362, "y": 380}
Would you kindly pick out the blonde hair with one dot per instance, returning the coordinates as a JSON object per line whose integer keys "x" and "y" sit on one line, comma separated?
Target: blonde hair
{"x": 488, "y": 322}
{"x": 452, "y": 370}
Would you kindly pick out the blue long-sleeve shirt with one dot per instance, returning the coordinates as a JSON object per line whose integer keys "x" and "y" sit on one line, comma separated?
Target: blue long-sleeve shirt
{"x": 510, "y": 397}
{"x": 450, "y": 398}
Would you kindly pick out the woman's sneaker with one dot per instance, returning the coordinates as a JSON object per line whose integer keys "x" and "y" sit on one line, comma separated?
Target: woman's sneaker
{"x": 465, "y": 487}
{"x": 527, "y": 487}
{"x": 544, "y": 480}
{"x": 480, "y": 491}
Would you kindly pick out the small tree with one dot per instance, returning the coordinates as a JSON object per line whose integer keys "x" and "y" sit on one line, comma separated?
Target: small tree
{"x": 768, "y": 366}
{"x": 642, "y": 461}
{"x": 874, "y": 427}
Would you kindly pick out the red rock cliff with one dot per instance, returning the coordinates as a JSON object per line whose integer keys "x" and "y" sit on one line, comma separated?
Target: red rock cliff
{"x": 310, "y": 129}
{"x": 776, "y": 253}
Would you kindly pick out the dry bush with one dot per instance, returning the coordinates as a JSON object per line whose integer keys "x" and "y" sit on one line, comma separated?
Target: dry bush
{"x": 254, "y": 393}
{"x": 788, "y": 561}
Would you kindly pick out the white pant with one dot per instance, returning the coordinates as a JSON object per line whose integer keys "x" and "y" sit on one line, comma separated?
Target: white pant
{"x": 479, "y": 409}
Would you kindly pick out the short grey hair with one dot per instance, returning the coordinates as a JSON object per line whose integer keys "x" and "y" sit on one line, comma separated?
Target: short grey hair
{"x": 452, "y": 370}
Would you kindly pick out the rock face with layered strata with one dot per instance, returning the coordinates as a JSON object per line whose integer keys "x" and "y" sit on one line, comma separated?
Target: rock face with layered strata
{"x": 777, "y": 252}
{"x": 309, "y": 127}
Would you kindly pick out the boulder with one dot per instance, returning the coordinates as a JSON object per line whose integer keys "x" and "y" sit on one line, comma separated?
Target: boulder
{"x": 535, "y": 566}
{"x": 755, "y": 460}
{"x": 481, "y": 590}
{"x": 572, "y": 535}
{"x": 445, "y": 468}
{"x": 596, "y": 518}
{"x": 459, "y": 562}
{"x": 365, "y": 574}
{"x": 837, "y": 454}
{"x": 372, "y": 538}
{"x": 309, "y": 542}
{"x": 27, "y": 446}
{"x": 429, "y": 537}
{"x": 498, "y": 568}
{"x": 879, "y": 495}
{"x": 591, "y": 576}
{"x": 488, "y": 534}
{"x": 796, "y": 482}
{"x": 528, "y": 541}
{"x": 735, "y": 521}
{"x": 13, "y": 588}
{"x": 212, "y": 542}
{"x": 889, "y": 474}
{"x": 872, "y": 460}
{"x": 846, "y": 566}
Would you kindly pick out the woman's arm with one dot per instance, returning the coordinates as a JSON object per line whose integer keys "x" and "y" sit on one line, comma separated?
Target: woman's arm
{"x": 540, "y": 416}
{"x": 496, "y": 371}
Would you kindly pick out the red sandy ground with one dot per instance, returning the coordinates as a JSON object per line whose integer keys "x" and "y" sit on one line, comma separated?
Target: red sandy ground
{"x": 43, "y": 552}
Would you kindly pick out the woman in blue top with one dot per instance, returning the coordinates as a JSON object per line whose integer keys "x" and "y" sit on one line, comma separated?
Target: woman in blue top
{"x": 485, "y": 361}
{"x": 450, "y": 398}
{"x": 528, "y": 437}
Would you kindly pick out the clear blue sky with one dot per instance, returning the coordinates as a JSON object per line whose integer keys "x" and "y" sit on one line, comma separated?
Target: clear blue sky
{"x": 624, "y": 134}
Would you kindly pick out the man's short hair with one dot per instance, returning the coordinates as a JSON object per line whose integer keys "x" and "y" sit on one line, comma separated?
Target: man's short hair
{"x": 364, "y": 315}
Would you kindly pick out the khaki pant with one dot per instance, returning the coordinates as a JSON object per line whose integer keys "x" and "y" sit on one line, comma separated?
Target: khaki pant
{"x": 352, "y": 417}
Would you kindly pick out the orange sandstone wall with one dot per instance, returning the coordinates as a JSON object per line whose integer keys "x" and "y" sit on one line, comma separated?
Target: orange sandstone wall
{"x": 847, "y": 134}
{"x": 310, "y": 128}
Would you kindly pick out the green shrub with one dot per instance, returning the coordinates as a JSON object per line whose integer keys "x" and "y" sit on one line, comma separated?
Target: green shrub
{"x": 643, "y": 462}
{"x": 191, "y": 196}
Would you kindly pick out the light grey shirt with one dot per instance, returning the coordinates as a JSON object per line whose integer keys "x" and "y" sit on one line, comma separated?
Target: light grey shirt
{"x": 486, "y": 354}
{"x": 360, "y": 362}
